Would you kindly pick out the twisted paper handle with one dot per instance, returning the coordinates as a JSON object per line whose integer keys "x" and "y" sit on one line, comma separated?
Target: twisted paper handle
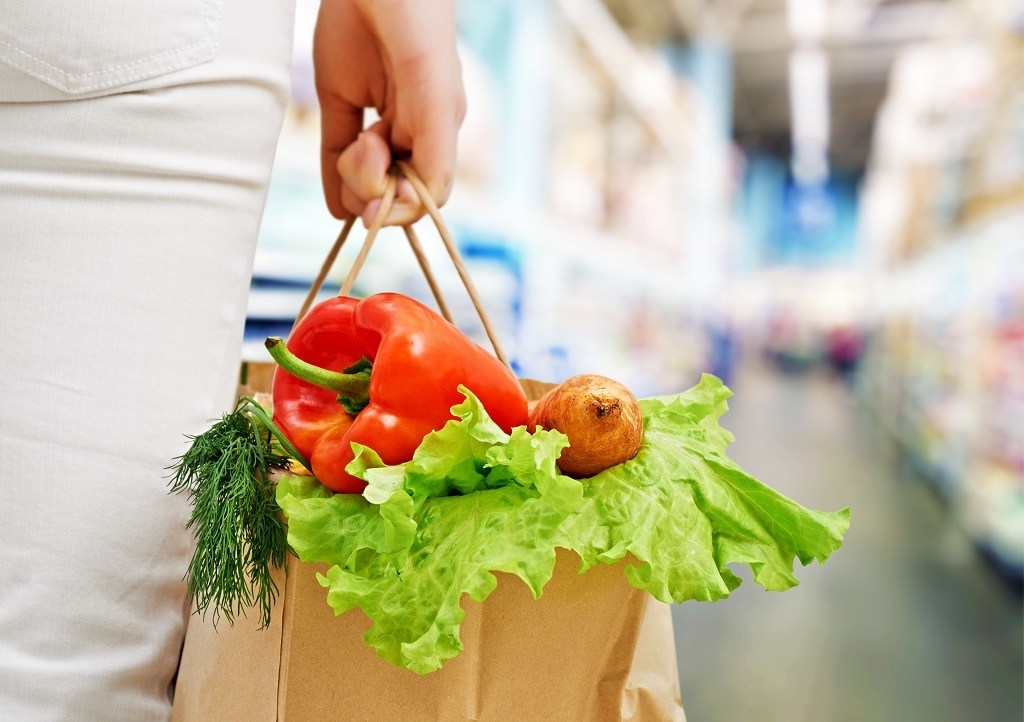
{"x": 387, "y": 201}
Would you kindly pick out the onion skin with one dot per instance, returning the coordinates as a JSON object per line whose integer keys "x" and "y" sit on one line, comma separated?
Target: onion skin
{"x": 601, "y": 418}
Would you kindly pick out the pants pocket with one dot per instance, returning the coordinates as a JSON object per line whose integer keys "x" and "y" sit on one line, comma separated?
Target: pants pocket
{"x": 90, "y": 46}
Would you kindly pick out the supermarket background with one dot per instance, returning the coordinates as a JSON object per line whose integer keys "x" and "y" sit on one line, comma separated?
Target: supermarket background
{"x": 820, "y": 201}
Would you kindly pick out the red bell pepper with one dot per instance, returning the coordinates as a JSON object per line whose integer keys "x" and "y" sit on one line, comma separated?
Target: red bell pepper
{"x": 416, "y": 362}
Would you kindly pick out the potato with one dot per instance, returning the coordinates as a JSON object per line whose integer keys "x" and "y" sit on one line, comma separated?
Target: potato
{"x": 601, "y": 418}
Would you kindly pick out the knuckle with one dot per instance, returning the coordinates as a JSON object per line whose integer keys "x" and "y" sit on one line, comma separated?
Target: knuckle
{"x": 444, "y": 186}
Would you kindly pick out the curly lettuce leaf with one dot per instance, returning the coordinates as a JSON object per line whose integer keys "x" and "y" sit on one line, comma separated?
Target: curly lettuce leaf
{"x": 475, "y": 500}
{"x": 685, "y": 511}
{"x": 342, "y": 528}
{"x": 414, "y": 599}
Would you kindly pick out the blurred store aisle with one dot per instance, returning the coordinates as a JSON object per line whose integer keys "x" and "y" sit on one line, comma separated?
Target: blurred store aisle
{"x": 905, "y": 623}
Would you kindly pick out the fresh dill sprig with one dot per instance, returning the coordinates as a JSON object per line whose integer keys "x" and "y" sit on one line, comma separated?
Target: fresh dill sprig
{"x": 235, "y": 517}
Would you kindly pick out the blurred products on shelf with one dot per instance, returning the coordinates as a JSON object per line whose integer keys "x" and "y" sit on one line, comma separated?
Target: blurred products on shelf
{"x": 942, "y": 228}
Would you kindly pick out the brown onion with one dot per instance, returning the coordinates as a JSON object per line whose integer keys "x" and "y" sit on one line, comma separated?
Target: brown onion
{"x": 601, "y": 418}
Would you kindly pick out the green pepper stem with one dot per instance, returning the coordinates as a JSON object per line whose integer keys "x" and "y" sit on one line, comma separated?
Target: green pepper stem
{"x": 350, "y": 386}
{"x": 247, "y": 403}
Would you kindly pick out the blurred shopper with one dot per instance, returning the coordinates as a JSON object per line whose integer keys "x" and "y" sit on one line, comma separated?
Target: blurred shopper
{"x": 722, "y": 348}
{"x": 843, "y": 347}
{"x": 136, "y": 147}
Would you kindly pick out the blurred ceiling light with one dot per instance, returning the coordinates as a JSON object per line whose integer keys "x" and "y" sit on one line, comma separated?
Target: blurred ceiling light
{"x": 809, "y": 165}
{"x": 809, "y": 114}
{"x": 807, "y": 20}
{"x": 808, "y": 96}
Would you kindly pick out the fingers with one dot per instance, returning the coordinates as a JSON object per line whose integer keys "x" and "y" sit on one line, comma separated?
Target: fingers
{"x": 340, "y": 126}
{"x": 362, "y": 169}
{"x": 377, "y": 53}
{"x": 424, "y": 68}
{"x": 348, "y": 71}
{"x": 434, "y": 145}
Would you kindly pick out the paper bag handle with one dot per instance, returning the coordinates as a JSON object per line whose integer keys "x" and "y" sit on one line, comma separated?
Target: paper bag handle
{"x": 387, "y": 201}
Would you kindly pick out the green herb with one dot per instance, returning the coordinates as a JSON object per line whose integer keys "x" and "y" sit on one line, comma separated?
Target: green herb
{"x": 235, "y": 517}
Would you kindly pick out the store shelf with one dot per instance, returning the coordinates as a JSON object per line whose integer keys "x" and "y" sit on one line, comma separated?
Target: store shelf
{"x": 944, "y": 376}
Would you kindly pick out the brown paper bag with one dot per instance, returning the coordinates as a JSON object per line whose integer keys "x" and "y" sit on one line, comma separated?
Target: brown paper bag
{"x": 591, "y": 648}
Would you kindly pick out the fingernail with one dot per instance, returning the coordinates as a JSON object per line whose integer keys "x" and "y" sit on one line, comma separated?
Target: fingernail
{"x": 369, "y": 212}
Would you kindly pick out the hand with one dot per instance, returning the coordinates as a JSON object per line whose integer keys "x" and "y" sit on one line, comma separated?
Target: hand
{"x": 399, "y": 57}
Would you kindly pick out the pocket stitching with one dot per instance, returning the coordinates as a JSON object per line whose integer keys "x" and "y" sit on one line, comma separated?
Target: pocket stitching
{"x": 76, "y": 76}
{"x": 208, "y": 21}
{"x": 101, "y": 85}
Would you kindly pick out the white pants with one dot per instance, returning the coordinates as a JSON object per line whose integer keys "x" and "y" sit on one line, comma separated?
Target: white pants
{"x": 136, "y": 141}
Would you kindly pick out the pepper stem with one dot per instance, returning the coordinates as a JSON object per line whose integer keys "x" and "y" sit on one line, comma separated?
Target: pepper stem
{"x": 353, "y": 388}
{"x": 247, "y": 403}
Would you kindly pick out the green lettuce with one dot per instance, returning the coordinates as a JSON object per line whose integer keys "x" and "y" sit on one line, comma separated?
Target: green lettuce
{"x": 475, "y": 500}
{"x": 686, "y": 511}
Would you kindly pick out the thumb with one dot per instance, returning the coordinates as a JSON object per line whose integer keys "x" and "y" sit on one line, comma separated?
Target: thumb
{"x": 362, "y": 169}
{"x": 340, "y": 125}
